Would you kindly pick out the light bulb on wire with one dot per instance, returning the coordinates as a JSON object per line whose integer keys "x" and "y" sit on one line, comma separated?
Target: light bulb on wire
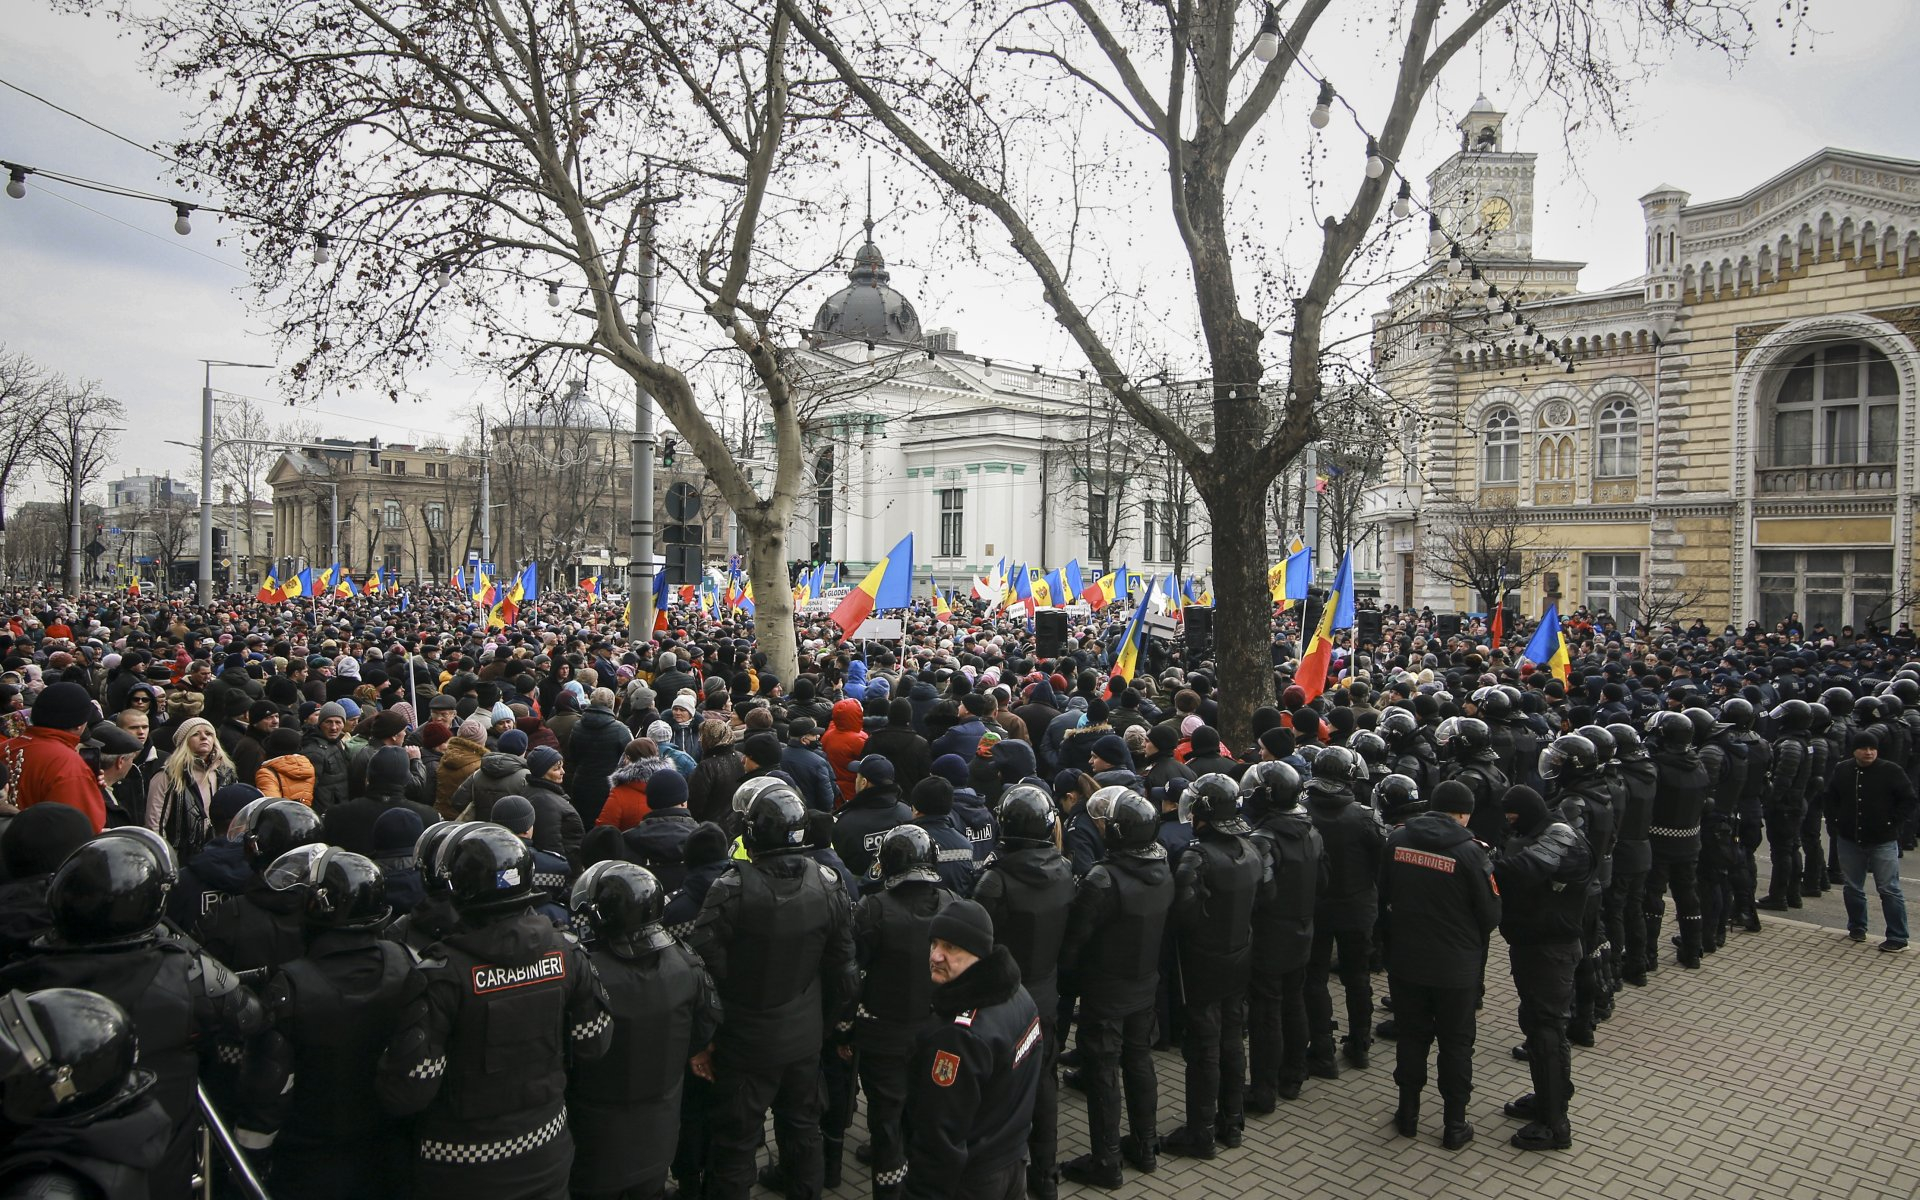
{"x": 182, "y": 219}
{"x": 553, "y": 295}
{"x": 1455, "y": 264}
{"x": 1403, "y": 203}
{"x": 1323, "y": 107}
{"x": 322, "y": 250}
{"x": 1376, "y": 166}
{"x": 443, "y": 274}
{"x": 17, "y": 182}
{"x": 1266, "y": 46}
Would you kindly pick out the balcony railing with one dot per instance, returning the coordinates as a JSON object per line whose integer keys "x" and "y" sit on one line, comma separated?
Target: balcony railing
{"x": 1832, "y": 479}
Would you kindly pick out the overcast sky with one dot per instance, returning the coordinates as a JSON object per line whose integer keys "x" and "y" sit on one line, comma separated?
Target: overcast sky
{"x": 116, "y": 295}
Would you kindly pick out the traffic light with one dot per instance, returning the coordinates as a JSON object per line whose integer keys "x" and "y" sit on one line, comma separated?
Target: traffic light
{"x": 373, "y": 452}
{"x": 667, "y": 451}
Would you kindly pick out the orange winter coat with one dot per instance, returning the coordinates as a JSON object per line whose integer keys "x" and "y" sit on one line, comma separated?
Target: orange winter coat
{"x": 844, "y": 741}
{"x": 290, "y": 776}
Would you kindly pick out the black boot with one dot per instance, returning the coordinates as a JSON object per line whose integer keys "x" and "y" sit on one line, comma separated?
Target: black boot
{"x": 1142, "y": 1152}
{"x": 1406, "y": 1118}
{"x": 1793, "y": 893}
{"x": 1456, "y": 1132}
{"x": 1188, "y": 1142}
{"x": 1690, "y": 943}
{"x": 830, "y": 1151}
{"x": 1043, "y": 1183}
{"x": 1536, "y": 1135}
{"x": 1651, "y": 961}
{"x": 1084, "y": 1170}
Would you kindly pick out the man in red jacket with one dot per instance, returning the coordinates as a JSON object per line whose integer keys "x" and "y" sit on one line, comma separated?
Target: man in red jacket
{"x": 45, "y": 761}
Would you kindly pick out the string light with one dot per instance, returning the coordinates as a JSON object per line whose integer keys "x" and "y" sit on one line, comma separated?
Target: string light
{"x": 1266, "y": 47}
{"x": 1323, "y": 107}
{"x": 1376, "y": 166}
{"x": 442, "y": 274}
{"x": 1455, "y": 263}
{"x": 322, "y": 250}
{"x": 553, "y": 295}
{"x": 182, "y": 222}
{"x": 1403, "y": 203}
{"x": 17, "y": 182}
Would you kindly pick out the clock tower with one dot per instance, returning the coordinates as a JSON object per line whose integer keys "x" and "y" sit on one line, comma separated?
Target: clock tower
{"x": 1484, "y": 193}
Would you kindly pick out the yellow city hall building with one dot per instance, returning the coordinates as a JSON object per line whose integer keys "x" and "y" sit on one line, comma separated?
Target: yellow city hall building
{"x": 1738, "y": 424}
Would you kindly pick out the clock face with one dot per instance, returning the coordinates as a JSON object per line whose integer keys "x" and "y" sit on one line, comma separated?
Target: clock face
{"x": 1496, "y": 215}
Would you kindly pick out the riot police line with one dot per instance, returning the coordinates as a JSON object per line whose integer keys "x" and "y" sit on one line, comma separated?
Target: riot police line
{"x": 522, "y": 1039}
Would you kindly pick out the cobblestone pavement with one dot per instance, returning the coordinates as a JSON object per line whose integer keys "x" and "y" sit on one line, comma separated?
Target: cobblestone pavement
{"x": 1785, "y": 1068}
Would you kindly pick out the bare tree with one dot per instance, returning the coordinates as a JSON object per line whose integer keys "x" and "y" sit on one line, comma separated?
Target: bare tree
{"x": 1105, "y": 461}
{"x": 240, "y": 462}
{"x": 556, "y": 462}
{"x": 167, "y": 525}
{"x": 1487, "y": 546}
{"x": 1012, "y": 76}
{"x": 469, "y": 164}
{"x": 26, "y": 394}
{"x": 1885, "y": 610}
{"x": 37, "y": 544}
{"x": 75, "y": 442}
{"x": 1665, "y": 600}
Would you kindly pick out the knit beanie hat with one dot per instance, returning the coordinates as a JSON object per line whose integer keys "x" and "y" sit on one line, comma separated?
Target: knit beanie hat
{"x": 966, "y": 925}
{"x": 1452, "y": 797}
{"x": 514, "y": 812}
{"x": 540, "y": 759}
{"x": 63, "y": 706}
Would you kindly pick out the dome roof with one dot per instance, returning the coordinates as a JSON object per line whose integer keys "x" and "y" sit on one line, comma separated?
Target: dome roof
{"x": 867, "y": 310}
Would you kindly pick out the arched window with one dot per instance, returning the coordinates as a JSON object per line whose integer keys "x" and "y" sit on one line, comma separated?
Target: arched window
{"x": 1556, "y": 458}
{"x": 1836, "y": 405}
{"x": 1618, "y": 438}
{"x": 823, "y": 504}
{"x": 1501, "y": 457}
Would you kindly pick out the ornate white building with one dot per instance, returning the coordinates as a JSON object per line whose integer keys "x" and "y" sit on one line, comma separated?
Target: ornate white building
{"x": 1737, "y": 423}
{"x": 982, "y": 460}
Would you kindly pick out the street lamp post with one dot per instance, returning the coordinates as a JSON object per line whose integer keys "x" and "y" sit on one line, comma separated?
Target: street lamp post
{"x": 205, "y": 582}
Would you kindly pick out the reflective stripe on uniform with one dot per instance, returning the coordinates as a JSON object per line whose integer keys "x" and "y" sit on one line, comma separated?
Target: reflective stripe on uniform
{"x": 468, "y": 1153}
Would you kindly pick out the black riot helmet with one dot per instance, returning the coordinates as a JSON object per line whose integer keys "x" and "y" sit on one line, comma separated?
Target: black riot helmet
{"x": 907, "y": 855}
{"x": 1492, "y": 703}
{"x": 1131, "y": 825}
{"x": 1568, "y": 758}
{"x": 1795, "y": 716}
{"x": 1602, "y": 741}
{"x": 1370, "y": 746}
{"x": 1822, "y": 718}
{"x": 744, "y": 794}
{"x": 1891, "y": 706}
{"x": 1215, "y": 799}
{"x": 1907, "y": 689}
{"x": 1670, "y": 731}
{"x": 1398, "y": 724}
{"x": 1866, "y": 710}
{"x": 111, "y": 891}
{"x": 776, "y": 823}
{"x": 1706, "y": 726}
{"x": 277, "y": 828}
{"x": 1627, "y": 746}
{"x": 1306, "y": 752}
{"x": 1398, "y": 798}
{"x": 1837, "y": 699}
{"x": 489, "y": 869}
{"x": 344, "y": 890}
{"x": 426, "y": 853}
{"x": 1738, "y": 712}
{"x": 1462, "y": 737}
{"x": 1339, "y": 763}
{"x": 161, "y": 848}
{"x": 70, "y": 1053}
{"x": 1270, "y": 786}
{"x": 1028, "y": 817}
{"x": 623, "y": 903}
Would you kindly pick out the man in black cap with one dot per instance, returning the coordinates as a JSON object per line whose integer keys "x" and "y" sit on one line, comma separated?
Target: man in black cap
{"x": 976, "y": 1070}
{"x": 1867, "y": 802}
{"x": 1542, "y": 871}
{"x": 32, "y": 847}
{"x": 933, "y": 812}
{"x": 875, "y": 808}
{"x": 1440, "y": 905}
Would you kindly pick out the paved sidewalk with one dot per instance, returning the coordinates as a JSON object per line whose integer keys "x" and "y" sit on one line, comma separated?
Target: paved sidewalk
{"x": 1788, "y": 1067}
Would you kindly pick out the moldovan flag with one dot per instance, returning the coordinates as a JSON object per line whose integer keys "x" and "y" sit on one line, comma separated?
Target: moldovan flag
{"x": 269, "y": 592}
{"x": 1057, "y": 594}
{"x": 891, "y": 577}
{"x": 1498, "y": 629}
{"x": 1312, "y": 675}
{"x": 591, "y": 586}
{"x": 1299, "y": 574}
{"x": 133, "y": 587}
{"x": 941, "y": 608}
{"x": 460, "y": 579}
{"x": 1127, "y": 657}
{"x": 1548, "y": 647}
{"x": 301, "y": 584}
{"x": 660, "y": 601}
{"x": 1101, "y": 591}
{"x": 1076, "y": 583}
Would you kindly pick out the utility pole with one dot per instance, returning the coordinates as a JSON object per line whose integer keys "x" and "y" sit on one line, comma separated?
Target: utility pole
{"x": 205, "y": 581}
{"x": 486, "y": 494}
{"x": 640, "y": 566}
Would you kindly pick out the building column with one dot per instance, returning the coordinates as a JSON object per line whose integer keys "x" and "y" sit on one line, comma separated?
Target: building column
{"x": 1670, "y": 465}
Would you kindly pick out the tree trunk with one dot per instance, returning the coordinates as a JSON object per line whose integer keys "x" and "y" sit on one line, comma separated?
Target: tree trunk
{"x": 772, "y": 593}
{"x": 1243, "y": 611}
